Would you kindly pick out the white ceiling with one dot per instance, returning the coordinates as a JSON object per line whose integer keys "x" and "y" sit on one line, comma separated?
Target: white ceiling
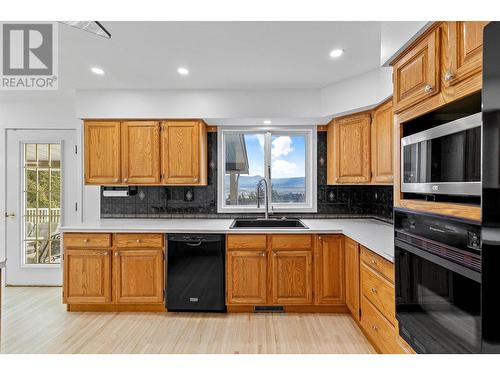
{"x": 219, "y": 55}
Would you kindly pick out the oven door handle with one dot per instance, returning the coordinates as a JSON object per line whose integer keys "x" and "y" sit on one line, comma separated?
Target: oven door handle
{"x": 464, "y": 271}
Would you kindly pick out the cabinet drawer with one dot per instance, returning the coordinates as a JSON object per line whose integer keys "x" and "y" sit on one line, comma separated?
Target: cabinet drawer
{"x": 379, "y": 291}
{"x": 136, "y": 240}
{"x": 381, "y": 332}
{"x": 87, "y": 240}
{"x": 378, "y": 263}
{"x": 291, "y": 242}
{"x": 246, "y": 241}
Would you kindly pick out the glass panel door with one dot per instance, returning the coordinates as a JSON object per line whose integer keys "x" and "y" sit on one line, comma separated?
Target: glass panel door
{"x": 42, "y": 203}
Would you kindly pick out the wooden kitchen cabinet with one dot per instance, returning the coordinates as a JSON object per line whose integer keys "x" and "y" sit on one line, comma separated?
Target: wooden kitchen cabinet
{"x": 102, "y": 152}
{"x": 246, "y": 277}
{"x": 416, "y": 72}
{"x": 145, "y": 152}
{"x": 329, "y": 270}
{"x": 292, "y": 281}
{"x": 140, "y": 156}
{"x": 464, "y": 55}
{"x": 138, "y": 275}
{"x": 120, "y": 272}
{"x": 382, "y": 144}
{"x": 87, "y": 276}
{"x": 352, "y": 279}
{"x": 184, "y": 153}
{"x": 348, "y": 148}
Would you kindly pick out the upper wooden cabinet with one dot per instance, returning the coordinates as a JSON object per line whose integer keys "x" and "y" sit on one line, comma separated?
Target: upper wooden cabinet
{"x": 144, "y": 153}
{"x": 184, "y": 153}
{"x": 382, "y": 144}
{"x": 464, "y": 54}
{"x": 102, "y": 152}
{"x": 140, "y": 142}
{"x": 416, "y": 73}
{"x": 329, "y": 270}
{"x": 349, "y": 150}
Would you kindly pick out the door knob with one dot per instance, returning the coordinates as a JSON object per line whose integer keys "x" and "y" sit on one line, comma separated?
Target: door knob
{"x": 10, "y": 215}
{"x": 448, "y": 76}
{"x": 428, "y": 88}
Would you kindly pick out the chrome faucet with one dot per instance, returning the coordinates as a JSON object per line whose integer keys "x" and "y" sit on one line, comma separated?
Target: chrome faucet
{"x": 266, "y": 198}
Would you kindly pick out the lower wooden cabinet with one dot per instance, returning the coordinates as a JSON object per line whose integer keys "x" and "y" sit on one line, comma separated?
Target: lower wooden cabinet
{"x": 329, "y": 270}
{"x": 285, "y": 270}
{"x": 138, "y": 275}
{"x": 87, "y": 276}
{"x": 352, "y": 279}
{"x": 122, "y": 272}
{"x": 246, "y": 277}
{"x": 292, "y": 277}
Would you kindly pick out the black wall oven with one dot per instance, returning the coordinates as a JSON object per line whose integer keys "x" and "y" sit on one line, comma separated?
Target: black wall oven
{"x": 438, "y": 283}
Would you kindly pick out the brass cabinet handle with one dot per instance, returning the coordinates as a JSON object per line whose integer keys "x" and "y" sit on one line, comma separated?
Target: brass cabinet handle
{"x": 117, "y": 179}
{"x": 374, "y": 290}
{"x": 105, "y": 253}
{"x": 138, "y": 240}
{"x": 195, "y": 179}
{"x": 117, "y": 253}
{"x": 125, "y": 179}
{"x": 375, "y": 328}
{"x": 373, "y": 261}
{"x": 263, "y": 254}
{"x": 448, "y": 76}
{"x": 428, "y": 88}
{"x": 86, "y": 240}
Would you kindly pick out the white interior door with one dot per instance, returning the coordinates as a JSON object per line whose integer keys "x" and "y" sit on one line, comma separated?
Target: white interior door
{"x": 41, "y": 195}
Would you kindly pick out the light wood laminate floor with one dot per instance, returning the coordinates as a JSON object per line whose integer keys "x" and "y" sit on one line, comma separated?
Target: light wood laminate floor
{"x": 35, "y": 321}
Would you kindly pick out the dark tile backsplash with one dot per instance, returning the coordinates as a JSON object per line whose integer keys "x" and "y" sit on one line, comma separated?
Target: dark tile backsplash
{"x": 201, "y": 202}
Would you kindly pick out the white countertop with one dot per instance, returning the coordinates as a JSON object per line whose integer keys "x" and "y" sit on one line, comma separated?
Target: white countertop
{"x": 373, "y": 234}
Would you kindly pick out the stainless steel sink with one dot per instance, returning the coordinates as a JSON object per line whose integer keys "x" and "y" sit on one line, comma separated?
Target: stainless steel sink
{"x": 268, "y": 223}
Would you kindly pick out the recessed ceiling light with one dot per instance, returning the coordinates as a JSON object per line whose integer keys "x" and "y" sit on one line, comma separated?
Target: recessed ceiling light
{"x": 97, "y": 70}
{"x": 183, "y": 71}
{"x": 267, "y": 122}
{"x": 336, "y": 52}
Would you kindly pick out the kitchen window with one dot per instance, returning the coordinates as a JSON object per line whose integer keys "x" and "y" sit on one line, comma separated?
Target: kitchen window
{"x": 284, "y": 157}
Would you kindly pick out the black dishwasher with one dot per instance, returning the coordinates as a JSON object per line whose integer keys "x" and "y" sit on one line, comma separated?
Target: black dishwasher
{"x": 195, "y": 272}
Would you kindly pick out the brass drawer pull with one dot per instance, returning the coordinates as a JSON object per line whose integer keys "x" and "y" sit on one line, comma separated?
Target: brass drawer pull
{"x": 375, "y": 328}
{"x": 374, "y": 290}
{"x": 138, "y": 241}
{"x": 374, "y": 262}
{"x": 86, "y": 240}
{"x": 263, "y": 254}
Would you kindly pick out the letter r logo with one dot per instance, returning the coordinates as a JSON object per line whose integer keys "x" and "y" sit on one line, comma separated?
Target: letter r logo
{"x": 27, "y": 49}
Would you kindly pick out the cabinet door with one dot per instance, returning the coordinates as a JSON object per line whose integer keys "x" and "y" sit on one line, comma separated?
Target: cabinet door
{"x": 382, "y": 144}
{"x": 329, "y": 261}
{"x": 464, "y": 56}
{"x": 291, "y": 277}
{"x": 182, "y": 156}
{"x": 140, "y": 152}
{"x": 352, "y": 278}
{"x": 102, "y": 152}
{"x": 138, "y": 275}
{"x": 87, "y": 276}
{"x": 246, "y": 275}
{"x": 351, "y": 150}
{"x": 416, "y": 74}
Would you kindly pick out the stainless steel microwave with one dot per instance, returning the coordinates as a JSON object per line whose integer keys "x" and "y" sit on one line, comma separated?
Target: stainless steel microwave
{"x": 445, "y": 159}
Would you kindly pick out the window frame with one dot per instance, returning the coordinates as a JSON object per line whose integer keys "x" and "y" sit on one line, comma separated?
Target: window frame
{"x": 310, "y": 133}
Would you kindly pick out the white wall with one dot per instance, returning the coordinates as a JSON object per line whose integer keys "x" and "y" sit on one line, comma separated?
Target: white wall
{"x": 396, "y": 36}
{"x": 49, "y": 110}
{"x": 357, "y": 94}
{"x": 207, "y": 104}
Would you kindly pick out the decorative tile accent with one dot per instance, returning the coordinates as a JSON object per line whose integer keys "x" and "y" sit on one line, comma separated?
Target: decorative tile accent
{"x": 201, "y": 201}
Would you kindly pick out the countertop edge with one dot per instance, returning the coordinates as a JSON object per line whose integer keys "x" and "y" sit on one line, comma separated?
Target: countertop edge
{"x": 222, "y": 227}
